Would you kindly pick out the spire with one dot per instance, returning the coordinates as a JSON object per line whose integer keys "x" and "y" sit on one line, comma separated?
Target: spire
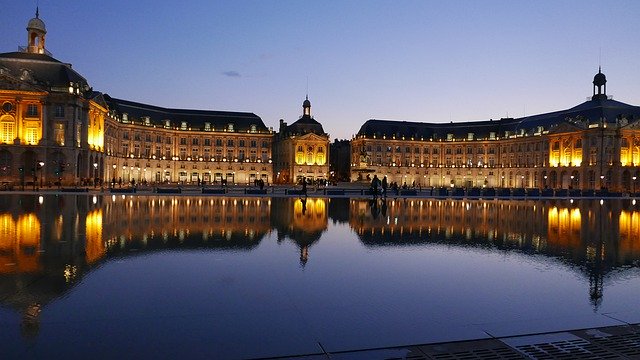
{"x": 36, "y": 31}
{"x": 599, "y": 86}
{"x": 306, "y": 107}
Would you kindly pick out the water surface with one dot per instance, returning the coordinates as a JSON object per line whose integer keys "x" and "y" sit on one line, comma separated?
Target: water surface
{"x": 254, "y": 277}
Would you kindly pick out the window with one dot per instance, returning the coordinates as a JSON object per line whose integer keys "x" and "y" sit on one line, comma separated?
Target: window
{"x": 168, "y": 140}
{"x": 218, "y": 142}
{"x": 253, "y": 143}
{"x": 58, "y": 134}
{"x": 253, "y": 128}
{"x": 148, "y": 138}
{"x": 265, "y": 144}
{"x": 59, "y": 111}
{"x": 241, "y": 143}
{"x": 183, "y": 125}
{"x": 7, "y": 132}
{"x": 125, "y": 135}
{"x": 32, "y": 110}
{"x": 230, "y": 127}
{"x": 207, "y": 126}
{"x": 183, "y": 141}
{"x": 207, "y": 142}
{"x": 194, "y": 141}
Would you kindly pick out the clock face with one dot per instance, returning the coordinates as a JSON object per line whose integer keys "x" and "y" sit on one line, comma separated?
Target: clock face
{"x": 7, "y": 107}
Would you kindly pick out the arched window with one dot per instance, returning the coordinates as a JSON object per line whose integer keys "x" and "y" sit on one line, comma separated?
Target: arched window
{"x": 7, "y": 130}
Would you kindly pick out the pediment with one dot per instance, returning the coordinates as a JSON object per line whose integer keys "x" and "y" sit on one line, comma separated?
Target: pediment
{"x": 312, "y": 137}
{"x": 633, "y": 125}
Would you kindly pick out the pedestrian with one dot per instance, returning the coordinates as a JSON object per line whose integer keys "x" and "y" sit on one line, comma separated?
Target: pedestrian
{"x": 385, "y": 184}
{"x": 374, "y": 185}
{"x": 304, "y": 186}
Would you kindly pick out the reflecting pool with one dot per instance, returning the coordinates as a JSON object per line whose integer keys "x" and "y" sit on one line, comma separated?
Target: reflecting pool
{"x": 224, "y": 277}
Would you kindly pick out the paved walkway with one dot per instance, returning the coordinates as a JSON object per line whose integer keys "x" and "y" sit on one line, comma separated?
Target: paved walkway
{"x": 616, "y": 342}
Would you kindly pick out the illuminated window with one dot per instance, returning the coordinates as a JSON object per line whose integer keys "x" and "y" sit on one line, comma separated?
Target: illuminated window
{"x": 58, "y": 134}
{"x": 230, "y": 127}
{"x": 7, "y": 131}
{"x": 253, "y": 128}
{"x": 31, "y": 136}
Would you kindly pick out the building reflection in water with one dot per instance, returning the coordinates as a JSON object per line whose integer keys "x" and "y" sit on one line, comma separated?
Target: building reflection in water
{"x": 58, "y": 239}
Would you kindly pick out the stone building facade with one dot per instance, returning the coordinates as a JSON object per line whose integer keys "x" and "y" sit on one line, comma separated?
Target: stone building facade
{"x": 593, "y": 145}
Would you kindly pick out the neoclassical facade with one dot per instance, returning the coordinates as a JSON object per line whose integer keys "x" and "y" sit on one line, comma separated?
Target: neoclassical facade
{"x": 51, "y": 122}
{"x": 55, "y": 130}
{"x": 301, "y": 150}
{"x": 148, "y": 143}
{"x": 593, "y": 145}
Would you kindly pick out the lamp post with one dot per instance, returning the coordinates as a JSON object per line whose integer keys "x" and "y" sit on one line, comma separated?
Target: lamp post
{"x": 634, "y": 184}
{"x": 545, "y": 181}
{"x": 95, "y": 174}
{"x": 571, "y": 185}
{"x": 41, "y": 163}
{"x": 113, "y": 177}
{"x": 522, "y": 181}
{"x": 601, "y": 181}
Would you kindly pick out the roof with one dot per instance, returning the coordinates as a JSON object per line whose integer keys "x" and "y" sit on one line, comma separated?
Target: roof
{"x": 592, "y": 111}
{"x": 196, "y": 119}
{"x": 42, "y": 69}
{"x": 304, "y": 125}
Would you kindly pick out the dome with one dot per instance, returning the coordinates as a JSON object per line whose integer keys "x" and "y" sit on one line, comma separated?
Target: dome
{"x": 36, "y": 24}
{"x": 599, "y": 79}
{"x": 306, "y": 103}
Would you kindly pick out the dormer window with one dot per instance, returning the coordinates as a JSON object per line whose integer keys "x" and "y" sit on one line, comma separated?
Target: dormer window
{"x": 183, "y": 125}
{"x": 230, "y": 127}
{"x": 207, "y": 126}
{"x": 470, "y": 136}
{"x": 253, "y": 128}
{"x": 449, "y": 137}
{"x": 167, "y": 124}
{"x": 147, "y": 121}
{"x": 492, "y": 135}
{"x": 125, "y": 117}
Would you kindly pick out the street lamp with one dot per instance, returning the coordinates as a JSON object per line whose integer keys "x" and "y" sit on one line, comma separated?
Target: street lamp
{"x": 113, "y": 177}
{"x": 522, "y": 181}
{"x": 601, "y": 181}
{"x": 95, "y": 174}
{"x": 571, "y": 185}
{"x": 634, "y": 184}
{"x": 545, "y": 181}
{"x": 41, "y": 163}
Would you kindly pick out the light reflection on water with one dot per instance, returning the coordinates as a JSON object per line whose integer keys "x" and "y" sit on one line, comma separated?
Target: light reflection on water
{"x": 454, "y": 255}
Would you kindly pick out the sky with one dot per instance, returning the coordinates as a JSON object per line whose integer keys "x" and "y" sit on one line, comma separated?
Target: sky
{"x": 431, "y": 61}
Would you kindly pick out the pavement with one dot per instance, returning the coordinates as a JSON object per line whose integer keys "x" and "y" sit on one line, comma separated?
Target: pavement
{"x": 614, "y": 342}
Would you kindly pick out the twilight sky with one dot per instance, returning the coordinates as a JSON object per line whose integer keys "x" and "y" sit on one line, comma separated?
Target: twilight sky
{"x": 434, "y": 61}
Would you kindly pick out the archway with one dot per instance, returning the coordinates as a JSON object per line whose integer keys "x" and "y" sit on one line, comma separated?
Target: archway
{"x": 28, "y": 168}
{"x": 553, "y": 179}
{"x": 626, "y": 181}
{"x": 6, "y": 160}
{"x": 575, "y": 180}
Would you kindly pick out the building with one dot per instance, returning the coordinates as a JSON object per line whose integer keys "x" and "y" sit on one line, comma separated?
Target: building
{"x": 593, "y": 145}
{"x": 51, "y": 122}
{"x": 301, "y": 150}
{"x": 54, "y": 129}
{"x": 147, "y": 143}
{"x": 340, "y": 160}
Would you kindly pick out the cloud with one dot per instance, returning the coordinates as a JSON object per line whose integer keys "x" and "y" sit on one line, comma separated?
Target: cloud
{"x": 231, "y": 73}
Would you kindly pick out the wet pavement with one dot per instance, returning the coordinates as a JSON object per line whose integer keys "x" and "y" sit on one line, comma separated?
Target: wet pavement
{"x": 617, "y": 342}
